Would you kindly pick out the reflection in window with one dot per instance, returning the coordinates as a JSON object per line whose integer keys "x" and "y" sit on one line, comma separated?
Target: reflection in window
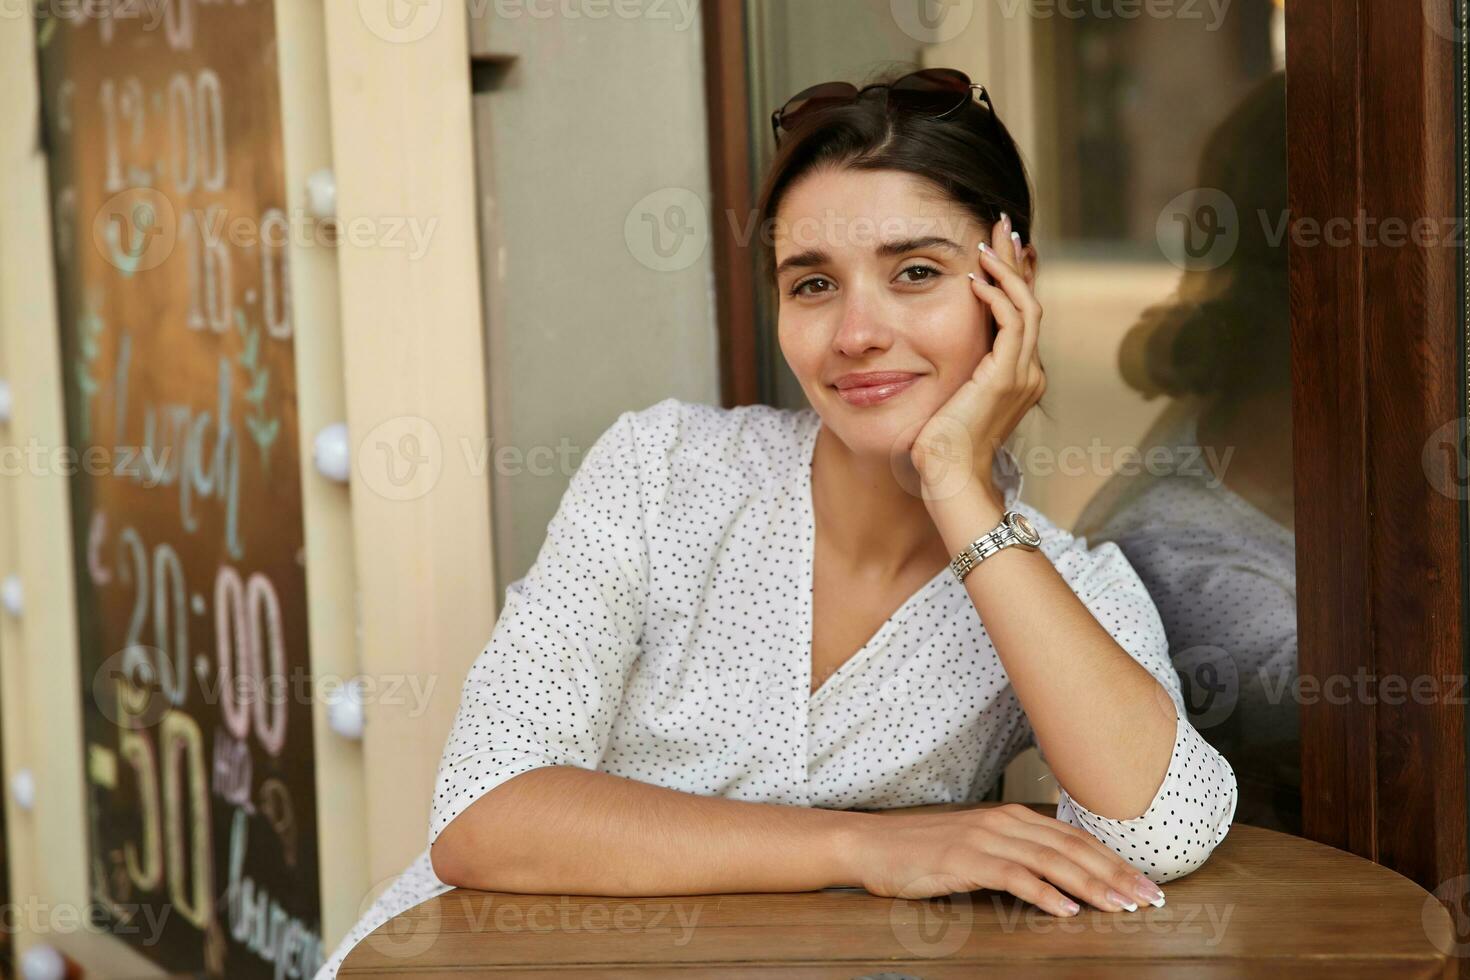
{"x": 1208, "y": 527}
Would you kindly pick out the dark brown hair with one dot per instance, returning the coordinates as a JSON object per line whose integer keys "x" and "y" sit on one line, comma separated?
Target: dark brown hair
{"x": 968, "y": 155}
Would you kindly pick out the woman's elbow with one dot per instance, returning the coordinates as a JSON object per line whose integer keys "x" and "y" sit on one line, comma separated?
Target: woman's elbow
{"x": 447, "y": 861}
{"x": 456, "y": 858}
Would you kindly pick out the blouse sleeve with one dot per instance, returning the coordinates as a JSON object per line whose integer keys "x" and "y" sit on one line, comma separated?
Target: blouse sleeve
{"x": 1192, "y": 809}
{"x": 546, "y": 688}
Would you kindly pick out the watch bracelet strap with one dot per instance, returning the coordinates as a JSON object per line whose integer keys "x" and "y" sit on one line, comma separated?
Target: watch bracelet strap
{"x": 987, "y": 544}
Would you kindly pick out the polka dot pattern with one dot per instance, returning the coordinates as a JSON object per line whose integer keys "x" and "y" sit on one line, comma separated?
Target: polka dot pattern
{"x": 664, "y": 634}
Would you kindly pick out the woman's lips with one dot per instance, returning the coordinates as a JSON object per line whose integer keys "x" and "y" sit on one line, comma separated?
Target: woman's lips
{"x": 873, "y": 394}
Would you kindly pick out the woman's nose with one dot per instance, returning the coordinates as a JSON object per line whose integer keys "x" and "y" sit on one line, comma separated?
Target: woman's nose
{"x": 860, "y": 329}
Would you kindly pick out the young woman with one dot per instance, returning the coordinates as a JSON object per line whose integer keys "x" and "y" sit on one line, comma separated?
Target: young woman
{"x": 747, "y": 626}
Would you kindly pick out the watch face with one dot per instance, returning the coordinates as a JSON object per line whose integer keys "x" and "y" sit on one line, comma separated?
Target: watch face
{"x": 1023, "y": 529}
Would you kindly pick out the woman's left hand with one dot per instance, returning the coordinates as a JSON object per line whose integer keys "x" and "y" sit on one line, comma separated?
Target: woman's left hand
{"x": 961, "y": 439}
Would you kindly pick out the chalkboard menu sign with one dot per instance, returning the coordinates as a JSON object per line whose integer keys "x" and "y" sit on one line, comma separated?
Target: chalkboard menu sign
{"x": 162, "y": 125}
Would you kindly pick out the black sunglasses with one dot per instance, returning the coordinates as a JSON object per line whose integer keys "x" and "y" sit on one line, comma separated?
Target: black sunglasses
{"x": 933, "y": 92}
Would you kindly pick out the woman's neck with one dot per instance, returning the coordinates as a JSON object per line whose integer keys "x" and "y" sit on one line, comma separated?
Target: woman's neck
{"x": 866, "y": 515}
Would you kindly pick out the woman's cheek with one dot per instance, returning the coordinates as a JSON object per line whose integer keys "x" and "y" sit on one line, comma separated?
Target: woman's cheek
{"x": 803, "y": 357}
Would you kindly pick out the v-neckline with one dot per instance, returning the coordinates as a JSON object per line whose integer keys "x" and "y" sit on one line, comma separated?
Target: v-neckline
{"x": 808, "y": 604}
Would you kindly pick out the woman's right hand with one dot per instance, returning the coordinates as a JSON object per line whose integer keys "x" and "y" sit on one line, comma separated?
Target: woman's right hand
{"x": 1008, "y": 848}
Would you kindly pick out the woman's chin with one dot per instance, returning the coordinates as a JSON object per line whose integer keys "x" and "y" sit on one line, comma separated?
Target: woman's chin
{"x": 890, "y": 437}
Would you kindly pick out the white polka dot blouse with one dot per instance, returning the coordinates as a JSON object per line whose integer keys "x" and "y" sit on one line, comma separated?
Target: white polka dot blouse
{"x": 663, "y": 634}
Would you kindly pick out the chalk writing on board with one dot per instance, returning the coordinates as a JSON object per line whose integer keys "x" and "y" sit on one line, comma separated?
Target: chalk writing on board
{"x": 162, "y": 128}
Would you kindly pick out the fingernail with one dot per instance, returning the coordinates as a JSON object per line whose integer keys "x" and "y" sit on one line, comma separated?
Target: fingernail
{"x": 1016, "y": 241}
{"x": 1070, "y": 907}
{"x": 1117, "y": 899}
{"x": 1149, "y": 892}
{"x": 986, "y": 249}
{"x": 1005, "y": 221}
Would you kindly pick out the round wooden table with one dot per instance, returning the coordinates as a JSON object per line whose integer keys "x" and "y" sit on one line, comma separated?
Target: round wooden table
{"x": 1264, "y": 902}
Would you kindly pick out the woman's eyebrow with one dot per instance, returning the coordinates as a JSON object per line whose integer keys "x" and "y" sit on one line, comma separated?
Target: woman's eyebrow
{"x": 903, "y": 245}
{"x": 817, "y": 256}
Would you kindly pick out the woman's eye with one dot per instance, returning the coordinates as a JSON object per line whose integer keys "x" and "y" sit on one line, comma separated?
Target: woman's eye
{"x": 928, "y": 273}
{"x": 796, "y": 290}
{"x": 930, "y": 270}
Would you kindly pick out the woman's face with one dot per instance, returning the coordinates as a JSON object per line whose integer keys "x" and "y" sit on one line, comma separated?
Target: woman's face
{"x": 871, "y": 274}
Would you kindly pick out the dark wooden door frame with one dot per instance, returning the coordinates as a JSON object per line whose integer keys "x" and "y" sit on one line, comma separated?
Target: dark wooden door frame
{"x": 727, "y": 107}
{"x": 1377, "y": 335}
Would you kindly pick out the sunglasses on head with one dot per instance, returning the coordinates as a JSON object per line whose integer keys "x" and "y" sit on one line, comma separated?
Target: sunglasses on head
{"x": 933, "y": 92}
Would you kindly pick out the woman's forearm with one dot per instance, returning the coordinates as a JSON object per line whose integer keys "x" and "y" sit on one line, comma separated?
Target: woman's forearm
{"x": 567, "y": 830}
{"x": 1106, "y": 725}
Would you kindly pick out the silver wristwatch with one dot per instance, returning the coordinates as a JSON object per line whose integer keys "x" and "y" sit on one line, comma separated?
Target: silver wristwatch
{"x": 1013, "y": 529}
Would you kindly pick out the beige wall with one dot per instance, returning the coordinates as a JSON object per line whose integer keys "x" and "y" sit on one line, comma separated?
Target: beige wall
{"x": 326, "y": 507}
{"x": 592, "y": 133}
